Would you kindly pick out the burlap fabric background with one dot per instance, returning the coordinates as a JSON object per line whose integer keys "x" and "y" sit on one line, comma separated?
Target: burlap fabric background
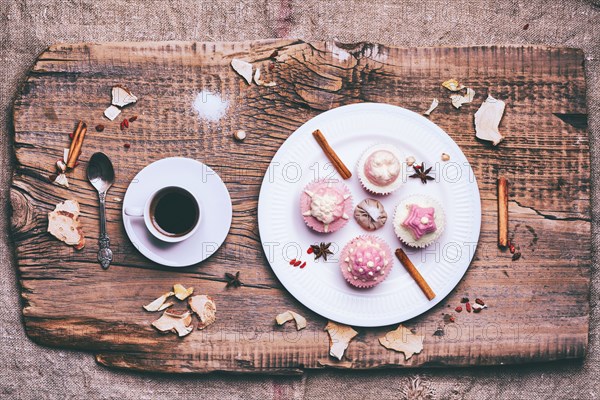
{"x": 28, "y": 26}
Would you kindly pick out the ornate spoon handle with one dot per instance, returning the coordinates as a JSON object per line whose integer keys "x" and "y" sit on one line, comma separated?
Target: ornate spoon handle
{"x": 105, "y": 254}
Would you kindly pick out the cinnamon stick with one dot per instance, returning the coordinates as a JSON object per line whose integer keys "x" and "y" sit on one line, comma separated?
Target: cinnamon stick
{"x": 502, "y": 212}
{"x": 412, "y": 270}
{"x": 333, "y": 157}
{"x": 76, "y": 144}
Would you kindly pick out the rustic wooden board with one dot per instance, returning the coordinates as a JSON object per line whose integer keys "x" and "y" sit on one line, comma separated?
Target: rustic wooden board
{"x": 539, "y": 306}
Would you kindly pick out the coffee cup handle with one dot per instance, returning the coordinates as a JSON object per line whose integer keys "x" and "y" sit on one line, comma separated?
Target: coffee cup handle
{"x": 134, "y": 211}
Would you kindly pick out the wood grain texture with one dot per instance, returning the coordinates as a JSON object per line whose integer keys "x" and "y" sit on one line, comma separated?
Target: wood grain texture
{"x": 538, "y": 305}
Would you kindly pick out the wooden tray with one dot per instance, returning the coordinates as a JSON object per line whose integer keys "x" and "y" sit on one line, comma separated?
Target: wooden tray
{"x": 538, "y": 305}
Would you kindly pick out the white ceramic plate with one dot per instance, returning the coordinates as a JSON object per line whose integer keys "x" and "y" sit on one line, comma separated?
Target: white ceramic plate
{"x": 215, "y": 211}
{"x": 351, "y": 130}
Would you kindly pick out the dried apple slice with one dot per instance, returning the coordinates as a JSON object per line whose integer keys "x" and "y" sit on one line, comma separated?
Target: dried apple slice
{"x": 257, "y": 78}
{"x": 157, "y": 305}
{"x": 181, "y": 292}
{"x": 112, "y": 112}
{"x": 205, "y": 309}
{"x": 487, "y": 119}
{"x": 458, "y": 100}
{"x": 339, "y": 338}
{"x": 179, "y": 322}
{"x": 404, "y": 341}
{"x": 433, "y": 106}
{"x": 121, "y": 96}
{"x": 243, "y": 68}
{"x": 61, "y": 180}
{"x": 63, "y": 224}
{"x": 290, "y": 315}
{"x": 453, "y": 85}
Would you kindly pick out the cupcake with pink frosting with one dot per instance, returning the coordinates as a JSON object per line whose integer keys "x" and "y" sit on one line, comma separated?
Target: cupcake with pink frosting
{"x": 326, "y": 206}
{"x": 366, "y": 261}
{"x": 380, "y": 169}
{"x": 419, "y": 220}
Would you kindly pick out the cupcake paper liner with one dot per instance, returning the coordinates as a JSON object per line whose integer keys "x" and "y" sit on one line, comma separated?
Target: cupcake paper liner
{"x": 364, "y": 181}
{"x": 350, "y": 277}
{"x": 401, "y": 212}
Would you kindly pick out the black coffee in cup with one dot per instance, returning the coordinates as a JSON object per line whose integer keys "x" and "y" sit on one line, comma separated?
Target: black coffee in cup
{"x": 174, "y": 211}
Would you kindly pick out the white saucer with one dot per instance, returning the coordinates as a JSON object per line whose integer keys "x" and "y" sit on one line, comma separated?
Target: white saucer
{"x": 215, "y": 209}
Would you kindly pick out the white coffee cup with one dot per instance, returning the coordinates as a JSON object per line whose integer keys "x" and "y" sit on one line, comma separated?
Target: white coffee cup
{"x": 174, "y": 205}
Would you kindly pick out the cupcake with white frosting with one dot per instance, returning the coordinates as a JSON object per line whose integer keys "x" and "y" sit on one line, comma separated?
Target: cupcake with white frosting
{"x": 326, "y": 205}
{"x": 419, "y": 220}
{"x": 380, "y": 169}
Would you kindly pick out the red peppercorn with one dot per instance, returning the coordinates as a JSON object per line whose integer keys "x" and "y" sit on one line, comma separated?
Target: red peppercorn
{"x": 303, "y": 264}
{"x": 458, "y": 309}
{"x": 131, "y": 119}
{"x": 452, "y": 319}
{"x": 71, "y": 135}
{"x": 480, "y": 302}
{"x": 293, "y": 261}
{"x": 468, "y": 307}
{"x": 127, "y": 145}
{"x": 310, "y": 250}
{"x": 297, "y": 263}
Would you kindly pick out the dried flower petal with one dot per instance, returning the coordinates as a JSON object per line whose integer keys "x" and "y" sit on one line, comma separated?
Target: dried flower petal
{"x": 432, "y": 107}
{"x": 339, "y": 338}
{"x": 290, "y": 315}
{"x": 453, "y": 85}
{"x": 181, "y": 292}
{"x": 487, "y": 119}
{"x": 458, "y": 100}
{"x": 156, "y": 304}
{"x": 243, "y": 68}
{"x": 404, "y": 341}
{"x": 205, "y": 308}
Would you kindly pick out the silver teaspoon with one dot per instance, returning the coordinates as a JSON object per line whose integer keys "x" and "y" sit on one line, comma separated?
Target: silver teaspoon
{"x": 101, "y": 175}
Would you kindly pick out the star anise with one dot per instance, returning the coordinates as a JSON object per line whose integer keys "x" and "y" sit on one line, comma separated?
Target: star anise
{"x": 422, "y": 173}
{"x": 233, "y": 280}
{"x": 321, "y": 250}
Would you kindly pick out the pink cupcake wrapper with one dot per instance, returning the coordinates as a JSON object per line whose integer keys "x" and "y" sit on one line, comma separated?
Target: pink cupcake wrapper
{"x": 314, "y": 223}
{"x": 357, "y": 282}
